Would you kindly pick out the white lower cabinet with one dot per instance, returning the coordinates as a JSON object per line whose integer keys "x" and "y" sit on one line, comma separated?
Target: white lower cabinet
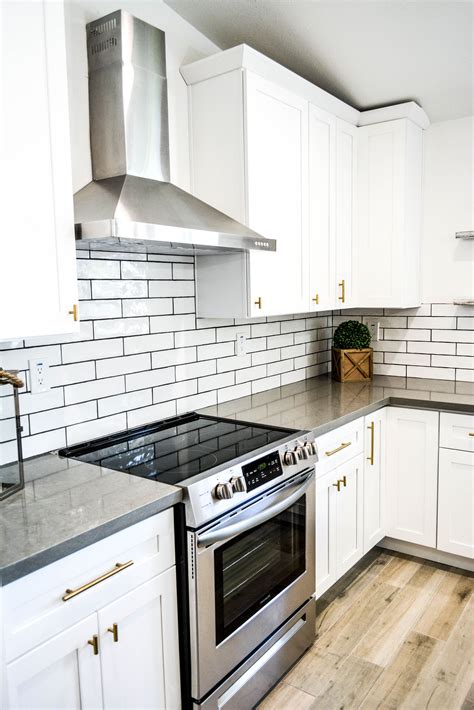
{"x": 139, "y": 647}
{"x": 339, "y": 522}
{"x": 456, "y": 502}
{"x": 412, "y": 475}
{"x": 60, "y": 673}
{"x": 374, "y": 479}
{"x": 112, "y": 644}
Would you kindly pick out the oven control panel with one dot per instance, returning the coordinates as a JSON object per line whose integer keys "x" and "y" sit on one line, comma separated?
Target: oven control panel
{"x": 262, "y": 470}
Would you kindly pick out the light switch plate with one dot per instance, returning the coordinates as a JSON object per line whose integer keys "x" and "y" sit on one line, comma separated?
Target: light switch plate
{"x": 241, "y": 339}
{"x": 39, "y": 375}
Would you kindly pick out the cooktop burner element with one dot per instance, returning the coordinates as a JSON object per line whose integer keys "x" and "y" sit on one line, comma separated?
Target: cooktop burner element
{"x": 176, "y": 449}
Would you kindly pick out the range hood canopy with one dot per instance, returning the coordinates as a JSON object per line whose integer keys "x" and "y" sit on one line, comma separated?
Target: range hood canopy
{"x": 131, "y": 200}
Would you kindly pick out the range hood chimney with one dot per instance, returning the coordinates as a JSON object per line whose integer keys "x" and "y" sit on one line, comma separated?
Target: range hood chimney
{"x": 131, "y": 200}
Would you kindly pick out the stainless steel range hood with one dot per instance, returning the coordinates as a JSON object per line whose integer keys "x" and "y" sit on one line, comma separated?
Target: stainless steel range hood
{"x": 130, "y": 200}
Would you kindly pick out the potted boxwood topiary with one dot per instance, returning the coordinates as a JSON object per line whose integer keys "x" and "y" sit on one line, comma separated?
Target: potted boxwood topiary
{"x": 352, "y": 356}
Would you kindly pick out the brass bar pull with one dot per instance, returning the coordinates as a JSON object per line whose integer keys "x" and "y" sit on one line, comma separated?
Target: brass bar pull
{"x": 471, "y": 433}
{"x": 70, "y": 593}
{"x": 74, "y": 312}
{"x": 337, "y": 485}
{"x": 94, "y": 642}
{"x": 114, "y": 631}
{"x": 339, "y": 448}
{"x": 371, "y": 458}
{"x": 258, "y": 302}
{"x": 344, "y": 481}
{"x": 316, "y": 299}
{"x": 342, "y": 286}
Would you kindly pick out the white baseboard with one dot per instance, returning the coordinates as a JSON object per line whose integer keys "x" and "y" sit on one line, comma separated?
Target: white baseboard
{"x": 427, "y": 553}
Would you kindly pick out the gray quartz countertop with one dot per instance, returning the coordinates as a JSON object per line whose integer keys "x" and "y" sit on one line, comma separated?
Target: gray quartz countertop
{"x": 321, "y": 404}
{"x": 67, "y": 505}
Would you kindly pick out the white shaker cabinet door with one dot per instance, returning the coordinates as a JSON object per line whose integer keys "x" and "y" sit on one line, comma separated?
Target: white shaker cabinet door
{"x": 276, "y": 131}
{"x": 38, "y": 284}
{"x": 412, "y": 474}
{"x": 322, "y": 203}
{"x": 326, "y": 573}
{"x": 139, "y": 647}
{"x": 456, "y": 502}
{"x": 346, "y": 177}
{"x": 63, "y": 672}
{"x": 349, "y": 514}
{"x": 374, "y": 479}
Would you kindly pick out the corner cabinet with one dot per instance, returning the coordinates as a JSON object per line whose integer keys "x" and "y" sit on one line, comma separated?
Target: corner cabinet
{"x": 38, "y": 285}
{"x": 113, "y": 643}
{"x": 249, "y": 146}
{"x": 390, "y": 164}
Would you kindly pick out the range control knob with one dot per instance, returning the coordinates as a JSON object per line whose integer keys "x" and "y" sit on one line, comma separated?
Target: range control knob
{"x": 313, "y": 448}
{"x": 304, "y": 452}
{"x": 238, "y": 484}
{"x": 290, "y": 458}
{"x": 223, "y": 491}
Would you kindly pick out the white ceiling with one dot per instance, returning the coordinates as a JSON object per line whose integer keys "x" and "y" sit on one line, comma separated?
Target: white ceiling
{"x": 368, "y": 53}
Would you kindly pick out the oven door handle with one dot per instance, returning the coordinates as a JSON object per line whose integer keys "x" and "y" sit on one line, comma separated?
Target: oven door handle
{"x": 284, "y": 500}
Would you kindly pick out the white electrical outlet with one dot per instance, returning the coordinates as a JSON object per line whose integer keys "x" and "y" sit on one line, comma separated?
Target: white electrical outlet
{"x": 241, "y": 344}
{"x": 39, "y": 376}
{"x": 374, "y": 326}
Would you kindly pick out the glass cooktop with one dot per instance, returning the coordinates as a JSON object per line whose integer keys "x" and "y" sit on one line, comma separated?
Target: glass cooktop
{"x": 176, "y": 449}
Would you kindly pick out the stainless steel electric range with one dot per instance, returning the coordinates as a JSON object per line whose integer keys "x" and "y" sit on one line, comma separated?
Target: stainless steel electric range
{"x": 247, "y": 543}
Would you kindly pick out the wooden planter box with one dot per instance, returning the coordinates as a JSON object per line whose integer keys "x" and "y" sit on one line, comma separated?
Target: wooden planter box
{"x": 352, "y": 365}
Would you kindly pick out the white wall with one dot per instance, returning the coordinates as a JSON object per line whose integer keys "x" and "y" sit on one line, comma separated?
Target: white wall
{"x": 184, "y": 44}
{"x": 448, "y": 264}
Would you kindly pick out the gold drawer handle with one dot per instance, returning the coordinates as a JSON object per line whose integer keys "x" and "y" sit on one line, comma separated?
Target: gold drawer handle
{"x": 114, "y": 631}
{"x": 371, "y": 458}
{"x": 74, "y": 313}
{"x": 316, "y": 299}
{"x": 342, "y": 286}
{"x": 94, "y": 642}
{"x": 471, "y": 433}
{"x": 70, "y": 593}
{"x": 338, "y": 486}
{"x": 339, "y": 448}
{"x": 258, "y": 302}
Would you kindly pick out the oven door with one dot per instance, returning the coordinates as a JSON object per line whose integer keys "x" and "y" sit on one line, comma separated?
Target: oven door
{"x": 248, "y": 573}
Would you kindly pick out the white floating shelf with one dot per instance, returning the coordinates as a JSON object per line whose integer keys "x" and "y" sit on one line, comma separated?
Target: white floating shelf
{"x": 464, "y": 235}
{"x": 464, "y": 302}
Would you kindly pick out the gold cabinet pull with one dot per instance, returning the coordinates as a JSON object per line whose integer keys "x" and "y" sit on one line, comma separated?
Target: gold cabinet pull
{"x": 342, "y": 286}
{"x": 337, "y": 485}
{"x": 70, "y": 593}
{"x": 344, "y": 481}
{"x": 316, "y": 299}
{"x": 74, "y": 312}
{"x": 371, "y": 458}
{"x": 114, "y": 631}
{"x": 471, "y": 433}
{"x": 339, "y": 448}
{"x": 258, "y": 302}
{"x": 94, "y": 642}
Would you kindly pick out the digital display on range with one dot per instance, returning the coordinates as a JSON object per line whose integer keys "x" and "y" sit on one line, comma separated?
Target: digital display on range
{"x": 262, "y": 470}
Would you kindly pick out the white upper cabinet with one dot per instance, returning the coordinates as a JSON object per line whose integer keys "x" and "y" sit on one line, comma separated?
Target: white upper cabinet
{"x": 389, "y": 214}
{"x": 249, "y": 159}
{"x": 38, "y": 284}
{"x": 346, "y": 178}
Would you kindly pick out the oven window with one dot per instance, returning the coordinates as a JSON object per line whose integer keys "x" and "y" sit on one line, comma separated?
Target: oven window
{"x": 255, "y": 566}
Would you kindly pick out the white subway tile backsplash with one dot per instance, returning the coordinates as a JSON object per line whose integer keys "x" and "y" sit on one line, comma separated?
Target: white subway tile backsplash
{"x": 123, "y": 365}
{"x": 30, "y": 403}
{"x": 148, "y": 343}
{"x": 119, "y": 289}
{"x": 397, "y": 370}
{"x": 184, "y": 305}
{"x": 215, "y": 382}
{"x": 250, "y": 373}
{"x": 264, "y": 356}
{"x": 69, "y": 374}
{"x": 48, "y": 441}
{"x": 228, "y": 393}
{"x": 147, "y": 307}
{"x": 98, "y": 269}
{"x": 434, "y": 373}
{"x": 150, "y": 378}
{"x": 453, "y": 336}
{"x": 407, "y": 359}
{"x": 94, "y": 390}
{"x": 276, "y": 368}
{"x": 280, "y": 341}
{"x": 57, "y": 418}
{"x": 405, "y": 334}
{"x": 195, "y": 369}
{"x": 84, "y": 290}
{"x": 19, "y": 359}
{"x": 432, "y": 348}
{"x": 177, "y": 356}
{"x": 291, "y": 326}
{"x": 145, "y": 415}
{"x": 85, "y": 333}
{"x": 166, "y": 324}
{"x": 93, "y": 429}
{"x": 267, "y": 383}
{"x": 92, "y": 350}
{"x": 183, "y": 271}
{"x": 264, "y": 329}
{"x": 231, "y": 333}
{"x": 431, "y": 322}
{"x": 208, "y": 352}
{"x": 174, "y": 391}
{"x": 197, "y": 401}
{"x": 465, "y": 349}
{"x": 466, "y": 323}
{"x": 453, "y": 361}
{"x": 164, "y": 289}
{"x": 124, "y": 402}
{"x": 120, "y": 327}
{"x": 100, "y": 309}
{"x": 236, "y": 362}
{"x": 465, "y": 376}
{"x": 148, "y": 270}
{"x": 195, "y": 337}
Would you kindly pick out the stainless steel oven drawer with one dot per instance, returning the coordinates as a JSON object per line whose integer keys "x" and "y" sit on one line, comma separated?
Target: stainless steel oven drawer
{"x": 257, "y": 676}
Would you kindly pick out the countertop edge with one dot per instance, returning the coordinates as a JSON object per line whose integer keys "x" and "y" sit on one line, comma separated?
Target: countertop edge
{"x": 27, "y": 565}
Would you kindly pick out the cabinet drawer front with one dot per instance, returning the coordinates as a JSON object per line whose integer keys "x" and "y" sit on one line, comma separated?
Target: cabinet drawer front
{"x": 40, "y": 605}
{"x": 457, "y": 431}
{"x": 339, "y": 445}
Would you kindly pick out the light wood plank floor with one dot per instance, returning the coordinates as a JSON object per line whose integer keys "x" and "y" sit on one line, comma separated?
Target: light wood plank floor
{"x": 395, "y": 633}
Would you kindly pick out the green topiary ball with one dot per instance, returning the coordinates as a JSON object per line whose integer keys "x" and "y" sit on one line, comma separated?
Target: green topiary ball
{"x": 351, "y": 334}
